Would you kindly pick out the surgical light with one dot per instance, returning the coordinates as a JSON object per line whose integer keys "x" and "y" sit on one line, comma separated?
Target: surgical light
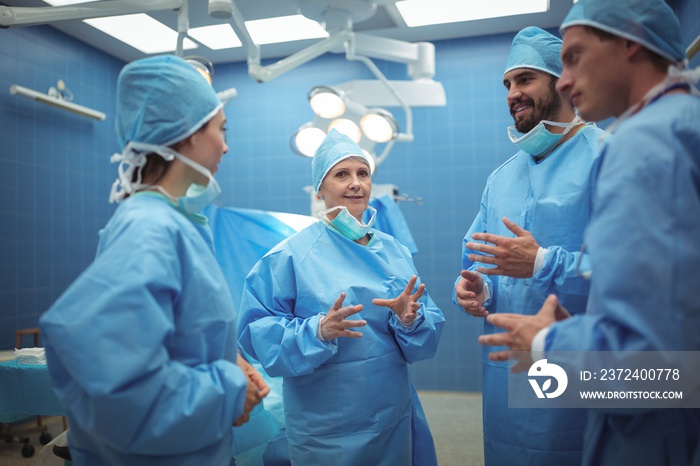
{"x": 347, "y": 127}
{"x": 338, "y": 17}
{"x": 379, "y": 125}
{"x": 201, "y": 64}
{"x": 307, "y": 139}
{"x": 326, "y": 101}
{"x": 206, "y": 69}
{"x": 366, "y": 126}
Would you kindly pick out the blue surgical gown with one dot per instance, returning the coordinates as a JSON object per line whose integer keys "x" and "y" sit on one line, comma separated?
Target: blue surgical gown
{"x": 552, "y": 200}
{"x": 141, "y": 348}
{"x": 644, "y": 243}
{"x": 347, "y": 401}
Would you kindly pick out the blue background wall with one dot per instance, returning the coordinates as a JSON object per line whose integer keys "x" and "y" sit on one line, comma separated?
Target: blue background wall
{"x": 54, "y": 170}
{"x": 55, "y": 173}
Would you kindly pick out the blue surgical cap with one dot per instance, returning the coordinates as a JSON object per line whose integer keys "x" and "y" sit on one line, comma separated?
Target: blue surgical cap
{"x": 334, "y": 148}
{"x": 162, "y": 100}
{"x": 650, "y": 23}
{"x": 536, "y": 49}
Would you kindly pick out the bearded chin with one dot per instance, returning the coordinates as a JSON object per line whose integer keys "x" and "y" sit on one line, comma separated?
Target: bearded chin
{"x": 544, "y": 110}
{"x": 526, "y": 124}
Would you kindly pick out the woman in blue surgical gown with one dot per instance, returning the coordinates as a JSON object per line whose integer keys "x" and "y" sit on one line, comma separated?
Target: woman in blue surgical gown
{"x": 337, "y": 310}
{"x": 141, "y": 348}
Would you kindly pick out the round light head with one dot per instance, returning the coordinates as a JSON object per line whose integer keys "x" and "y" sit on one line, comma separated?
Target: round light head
{"x": 201, "y": 64}
{"x": 327, "y": 102}
{"x": 346, "y": 127}
{"x": 379, "y": 125}
{"x": 307, "y": 139}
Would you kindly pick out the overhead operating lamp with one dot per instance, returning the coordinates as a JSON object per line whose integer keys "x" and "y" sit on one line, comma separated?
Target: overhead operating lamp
{"x": 327, "y": 101}
{"x": 376, "y": 123}
{"x": 306, "y": 139}
{"x": 334, "y": 109}
{"x": 379, "y": 125}
{"x": 202, "y": 65}
{"x": 338, "y": 16}
{"x": 206, "y": 69}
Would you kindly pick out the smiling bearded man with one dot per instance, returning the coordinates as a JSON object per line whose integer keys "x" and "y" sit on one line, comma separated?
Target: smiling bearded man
{"x": 525, "y": 241}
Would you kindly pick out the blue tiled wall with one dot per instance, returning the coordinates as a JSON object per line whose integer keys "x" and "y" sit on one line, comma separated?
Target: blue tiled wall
{"x": 55, "y": 174}
{"x": 54, "y": 170}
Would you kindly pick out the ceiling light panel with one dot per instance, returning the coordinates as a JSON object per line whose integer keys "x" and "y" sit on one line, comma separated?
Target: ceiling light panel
{"x": 426, "y": 12}
{"x": 217, "y": 37}
{"x": 284, "y": 29}
{"x": 66, "y": 2}
{"x": 141, "y": 32}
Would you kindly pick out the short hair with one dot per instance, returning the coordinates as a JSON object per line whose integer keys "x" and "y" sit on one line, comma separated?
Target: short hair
{"x": 657, "y": 60}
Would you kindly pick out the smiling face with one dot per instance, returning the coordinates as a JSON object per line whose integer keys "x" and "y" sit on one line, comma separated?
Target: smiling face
{"x": 348, "y": 183}
{"x": 531, "y": 97}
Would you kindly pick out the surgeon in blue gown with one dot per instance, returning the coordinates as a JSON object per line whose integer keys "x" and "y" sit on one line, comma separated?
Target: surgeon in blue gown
{"x": 141, "y": 348}
{"x": 338, "y": 311}
{"x": 624, "y": 59}
{"x": 525, "y": 243}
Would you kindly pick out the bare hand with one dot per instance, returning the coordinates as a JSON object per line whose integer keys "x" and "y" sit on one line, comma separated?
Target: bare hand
{"x": 469, "y": 291}
{"x": 520, "y": 330}
{"x": 513, "y": 257}
{"x": 334, "y": 325}
{"x": 256, "y": 390}
{"x": 405, "y": 305}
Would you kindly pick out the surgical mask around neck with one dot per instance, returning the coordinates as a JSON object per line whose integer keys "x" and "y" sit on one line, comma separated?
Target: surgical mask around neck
{"x": 133, "y": 158}
{"x": 539, "y": 141}
{"x": 348, "y": 225}
{"x": 198, "y": 196}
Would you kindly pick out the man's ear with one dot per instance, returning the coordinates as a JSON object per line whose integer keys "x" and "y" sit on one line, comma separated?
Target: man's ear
{"x": 634, "y": 50}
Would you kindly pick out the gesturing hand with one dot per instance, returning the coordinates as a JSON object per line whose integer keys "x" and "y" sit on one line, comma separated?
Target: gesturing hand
{"x": 513, "y": 257}
{"x": 405, "y": 305}
{"x": 334, "y": 325}
{"x": 520, "y": 330}
{"x": 469, "y": 291}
